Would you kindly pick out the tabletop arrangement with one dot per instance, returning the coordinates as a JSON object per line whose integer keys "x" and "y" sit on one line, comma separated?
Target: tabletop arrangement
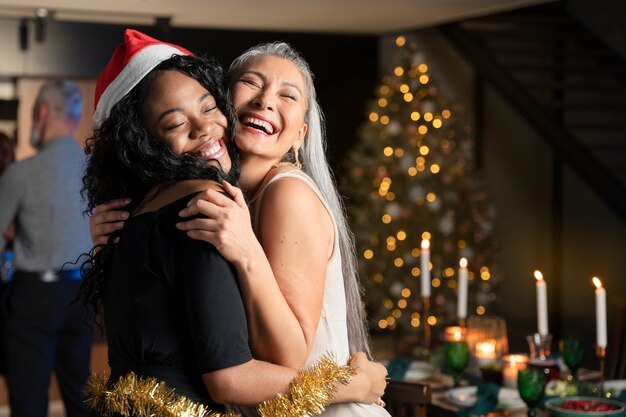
{"x": 483, "y": 377}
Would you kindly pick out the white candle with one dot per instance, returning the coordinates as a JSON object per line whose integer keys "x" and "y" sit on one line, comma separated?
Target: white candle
{"x": 542, "y": 304}
{"x": 600, "y": 313}
{"x": 461, "y": 307}
{"x": 511, "y": 365}
{"x": 424, "y": 263}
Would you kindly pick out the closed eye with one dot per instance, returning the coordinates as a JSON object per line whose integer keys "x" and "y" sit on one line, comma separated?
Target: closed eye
{"x": 174, "y": 126}
{"x": 290, "y": 93}
{"x": 250, "y": 82}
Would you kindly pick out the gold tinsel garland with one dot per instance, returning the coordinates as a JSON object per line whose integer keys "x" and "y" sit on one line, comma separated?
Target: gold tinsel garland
{"x": 142, "y": 397}
{"x": 309, "y": 394}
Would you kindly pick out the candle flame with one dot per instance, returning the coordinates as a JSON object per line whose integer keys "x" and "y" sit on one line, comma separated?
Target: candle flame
{"x": 486, "y": 347}
{"x": 597, "y": 282}
{"x": 425, "y": 244}
{"x": 515, "y": 360}
{"x": 454, "y": 333}
{"x": 463, "y": 263}
{"x": 538, "y": 275}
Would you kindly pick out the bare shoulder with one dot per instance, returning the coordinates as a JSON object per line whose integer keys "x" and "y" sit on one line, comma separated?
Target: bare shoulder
{"x": 292, "y": 193}
{"x": 291, "y": 200}
{"x": 292, "y": 215}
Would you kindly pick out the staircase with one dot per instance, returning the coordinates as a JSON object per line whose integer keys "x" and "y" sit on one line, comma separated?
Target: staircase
{"x": 564, "y": 81}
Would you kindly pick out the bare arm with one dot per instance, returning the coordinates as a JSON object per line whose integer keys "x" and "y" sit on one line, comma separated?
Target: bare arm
{"x": 253, "y": 382}
{"x": 282, "y": 281}
{"x": 250, "y": 383}
{"x": 297, "y": 234}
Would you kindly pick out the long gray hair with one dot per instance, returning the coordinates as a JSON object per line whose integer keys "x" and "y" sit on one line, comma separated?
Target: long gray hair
{"x": 312, "y": 153}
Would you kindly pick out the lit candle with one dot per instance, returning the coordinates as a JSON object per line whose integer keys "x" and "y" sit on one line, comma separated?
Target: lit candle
{"x": 461, "y": 307}
{"x": 511, "y": 365}
{"x": 454, "y": 334}
{"x": 542, "y": 304}
{"x": 600, "y": 313}
{"x": 425, "y": 261}
{"x": 485, "y": 353}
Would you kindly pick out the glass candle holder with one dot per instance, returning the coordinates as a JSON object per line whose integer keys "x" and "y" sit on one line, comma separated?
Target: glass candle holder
{"x": 540, "y": 347}
{"x": 487, "y": 340}
{"x": 485, "y": 353}
{"x": 454, "y": 333}
{"x": 511, "y": 365}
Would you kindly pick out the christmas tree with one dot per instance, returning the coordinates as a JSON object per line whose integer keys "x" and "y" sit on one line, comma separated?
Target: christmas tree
{"x": 410, "y": 177}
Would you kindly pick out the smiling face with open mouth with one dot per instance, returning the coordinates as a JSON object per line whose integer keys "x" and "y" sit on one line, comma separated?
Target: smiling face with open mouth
{"x": 270, "y": 100}
{"x": 185, "y": 115}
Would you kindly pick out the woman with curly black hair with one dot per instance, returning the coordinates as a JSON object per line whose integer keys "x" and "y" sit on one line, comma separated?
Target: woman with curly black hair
{"x": 171, "y": 304}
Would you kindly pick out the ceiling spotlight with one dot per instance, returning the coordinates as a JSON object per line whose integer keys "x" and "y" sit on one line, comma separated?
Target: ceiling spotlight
{"x": 42, "y": 13}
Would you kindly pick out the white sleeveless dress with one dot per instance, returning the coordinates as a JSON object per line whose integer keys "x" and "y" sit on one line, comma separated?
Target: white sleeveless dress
{"x": 332, "y": 332}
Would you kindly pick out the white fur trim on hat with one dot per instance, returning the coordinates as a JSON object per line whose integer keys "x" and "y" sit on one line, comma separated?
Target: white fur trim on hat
{"x": 139, "y": 66}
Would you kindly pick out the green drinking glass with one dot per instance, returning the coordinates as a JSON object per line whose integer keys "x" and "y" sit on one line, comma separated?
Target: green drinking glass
{"x": 457, "y": 357}
{"x": 573, "y": 351}
{"x": 531, "y": 384}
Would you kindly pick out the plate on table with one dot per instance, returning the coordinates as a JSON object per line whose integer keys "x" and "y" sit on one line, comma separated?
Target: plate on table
{"x": 616, "y": 386}
{"x": 584, "y": 406}
{"x": 419, "y": 370}
{"x": 508, "y": 398}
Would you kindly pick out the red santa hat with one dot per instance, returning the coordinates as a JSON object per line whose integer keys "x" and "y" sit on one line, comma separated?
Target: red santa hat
{"x": 131, "y": 61}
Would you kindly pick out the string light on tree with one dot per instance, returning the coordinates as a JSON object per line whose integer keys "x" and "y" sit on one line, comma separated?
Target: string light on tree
{"x": 411, "y": 170}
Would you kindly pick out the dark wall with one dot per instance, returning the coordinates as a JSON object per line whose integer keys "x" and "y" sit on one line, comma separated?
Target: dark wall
{"x": 345, "y": 67}
{"x": 604, "y": 18}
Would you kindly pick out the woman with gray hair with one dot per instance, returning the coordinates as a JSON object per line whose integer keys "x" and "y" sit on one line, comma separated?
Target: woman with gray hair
{"x": 310, "y": 158}
{"x": 296, "y": 266}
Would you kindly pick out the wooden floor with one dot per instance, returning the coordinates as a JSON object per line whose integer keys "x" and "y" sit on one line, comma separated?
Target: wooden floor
{"x": 55, "y": 409}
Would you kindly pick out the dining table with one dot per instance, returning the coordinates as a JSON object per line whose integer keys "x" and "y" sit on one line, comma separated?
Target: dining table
{"x": 450, "y": 401}
{"x": 442, "y": 406}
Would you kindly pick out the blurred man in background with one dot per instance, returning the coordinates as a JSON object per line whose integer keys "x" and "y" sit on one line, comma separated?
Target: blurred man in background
{"x": 45, "y": 331}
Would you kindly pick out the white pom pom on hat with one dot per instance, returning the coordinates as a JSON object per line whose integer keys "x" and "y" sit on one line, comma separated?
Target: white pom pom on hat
{"x": 130, "y": 63}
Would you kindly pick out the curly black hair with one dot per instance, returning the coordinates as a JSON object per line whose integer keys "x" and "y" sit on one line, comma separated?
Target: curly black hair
{"x": 126, "y": 161}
